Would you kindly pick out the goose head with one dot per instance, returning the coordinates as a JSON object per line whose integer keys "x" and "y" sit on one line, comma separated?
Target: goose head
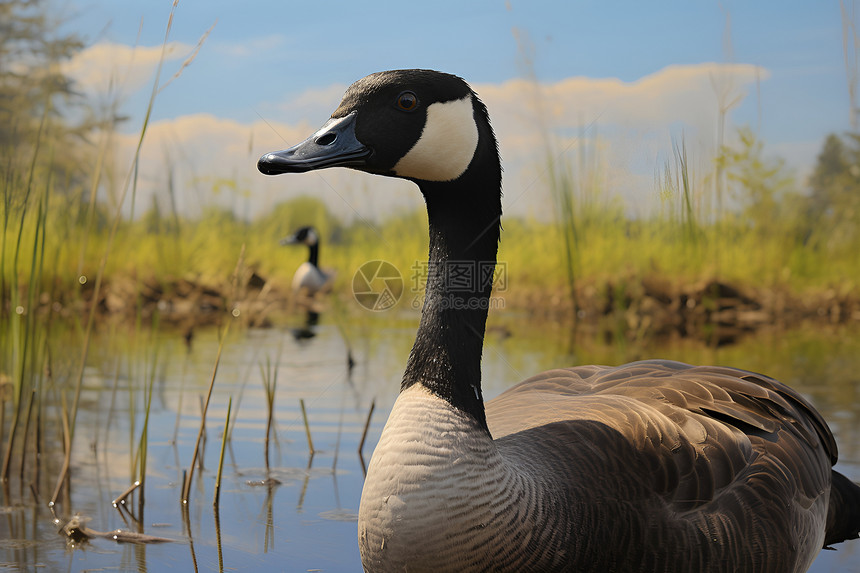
{"x": 303, "y": 236}
{"x": 420, "y": 125}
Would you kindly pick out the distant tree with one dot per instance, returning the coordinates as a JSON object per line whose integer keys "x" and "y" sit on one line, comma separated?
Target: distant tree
{"x": 763, "y": 187}
{"x": 831, "y": 162}
{"x": 30, "y": 76}
{"x": 834, "y": 200}
{"x": 34, "y": 88}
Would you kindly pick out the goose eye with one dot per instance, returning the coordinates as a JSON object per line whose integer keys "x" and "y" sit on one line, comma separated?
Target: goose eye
{"x": 407, "y": 101}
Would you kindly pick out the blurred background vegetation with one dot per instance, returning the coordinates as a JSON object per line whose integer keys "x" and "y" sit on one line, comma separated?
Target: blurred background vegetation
{"x": 743, "y": 219}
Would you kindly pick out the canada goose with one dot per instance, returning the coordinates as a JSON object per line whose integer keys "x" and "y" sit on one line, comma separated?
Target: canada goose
{"x": 649, "y": 466}
{"x": 309, "y": 278}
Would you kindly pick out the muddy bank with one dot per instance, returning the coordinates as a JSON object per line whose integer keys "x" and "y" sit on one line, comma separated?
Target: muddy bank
{"x": 176, "y": 302}
{"x": 712, "y": 311}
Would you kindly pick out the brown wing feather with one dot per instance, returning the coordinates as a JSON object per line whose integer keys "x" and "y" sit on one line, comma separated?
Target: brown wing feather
{"x": 669, "y": 407}
{"x": 736, "y": 458}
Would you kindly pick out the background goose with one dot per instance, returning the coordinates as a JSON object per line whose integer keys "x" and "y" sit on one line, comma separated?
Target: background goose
{"x": 309, "y": 278}
{"x": 650, "y": 466}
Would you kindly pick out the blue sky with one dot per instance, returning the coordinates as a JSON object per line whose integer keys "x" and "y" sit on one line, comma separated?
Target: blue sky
{"x": 284, "y": 64}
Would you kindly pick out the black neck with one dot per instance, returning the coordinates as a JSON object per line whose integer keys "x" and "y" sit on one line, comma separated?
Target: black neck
{"x": 464, "y": 217}
{"x": 314, "y": 255}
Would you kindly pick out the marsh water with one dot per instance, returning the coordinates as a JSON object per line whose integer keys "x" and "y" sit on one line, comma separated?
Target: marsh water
{"x": 299, "y": 513}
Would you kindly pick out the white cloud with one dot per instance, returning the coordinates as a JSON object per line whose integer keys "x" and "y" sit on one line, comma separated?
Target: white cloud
{"x": 107, "y": 66}
{"x": 627, "y": 127}
{"x": 676, "y": 95}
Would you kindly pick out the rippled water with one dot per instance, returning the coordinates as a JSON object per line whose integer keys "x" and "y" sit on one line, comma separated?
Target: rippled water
{"x": 300, "y": 513}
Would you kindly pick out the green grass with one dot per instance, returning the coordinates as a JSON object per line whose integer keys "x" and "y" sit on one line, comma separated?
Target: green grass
{"x": 608, "y": 246}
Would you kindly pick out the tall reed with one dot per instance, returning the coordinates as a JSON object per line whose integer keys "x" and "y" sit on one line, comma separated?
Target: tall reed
{"x": 19, "y": 347}
{"x": 189, "y": 477}
{"x": 269, "y": 375}
{"x": 216, "y": 500}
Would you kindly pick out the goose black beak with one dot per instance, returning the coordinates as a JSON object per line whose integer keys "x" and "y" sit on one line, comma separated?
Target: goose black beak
{"x": 289, "y": 240}
{"x": 334, "y": 145}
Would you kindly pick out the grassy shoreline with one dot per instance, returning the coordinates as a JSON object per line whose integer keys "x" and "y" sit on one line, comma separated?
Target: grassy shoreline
{"x": 607, "y": 248}
{"x": 636, "y": 298}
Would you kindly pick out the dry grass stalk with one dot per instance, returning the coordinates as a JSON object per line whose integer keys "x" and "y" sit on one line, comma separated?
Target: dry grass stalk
{"x": 217, "y": 498}
{"x": 366, "y": 427}
{"x": 186, "y": 489}
{"x": 307, "y": 427}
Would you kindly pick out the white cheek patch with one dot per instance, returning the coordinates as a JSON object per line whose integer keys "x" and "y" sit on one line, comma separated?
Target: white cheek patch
{"x": 447, "y": 143}
{"x": 311, "y": 239}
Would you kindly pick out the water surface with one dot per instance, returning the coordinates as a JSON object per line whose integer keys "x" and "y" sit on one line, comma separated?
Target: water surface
{"x": 299, "y": 514}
